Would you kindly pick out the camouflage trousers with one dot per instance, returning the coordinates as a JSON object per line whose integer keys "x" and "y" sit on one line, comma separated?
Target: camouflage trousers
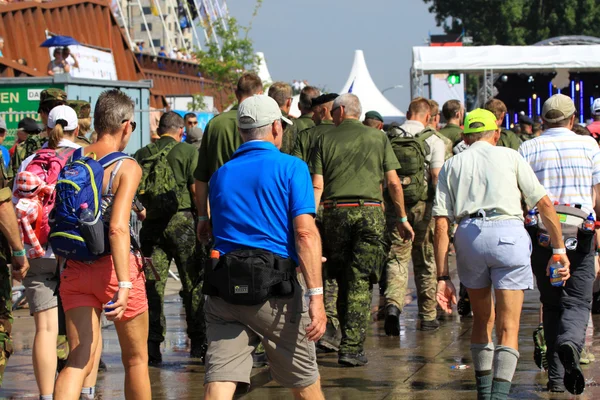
{"x": 353, "y": 242}
{"x": 6, "y": 318}
{"x": 421, "y": 252}
{"x": 176, "y": 241}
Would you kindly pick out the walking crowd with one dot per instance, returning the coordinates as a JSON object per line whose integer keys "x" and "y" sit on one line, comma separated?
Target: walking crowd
{"x": 280, "y": 228}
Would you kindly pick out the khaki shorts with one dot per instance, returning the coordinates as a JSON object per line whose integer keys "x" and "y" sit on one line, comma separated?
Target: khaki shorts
{"x": 234, "y": 331}
{"x": 40, "y": 284}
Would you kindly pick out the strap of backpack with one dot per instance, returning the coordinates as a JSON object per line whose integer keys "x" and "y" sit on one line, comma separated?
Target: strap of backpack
{"x": 425, "y": 134}
{"x": 112, "y": 158}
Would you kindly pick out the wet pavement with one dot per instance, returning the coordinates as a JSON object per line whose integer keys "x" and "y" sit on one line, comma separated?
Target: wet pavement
{"x": 417, "y": 365}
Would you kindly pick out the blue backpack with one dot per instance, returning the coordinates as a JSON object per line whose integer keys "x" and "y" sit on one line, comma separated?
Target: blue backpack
{"x": 79, "y": 183}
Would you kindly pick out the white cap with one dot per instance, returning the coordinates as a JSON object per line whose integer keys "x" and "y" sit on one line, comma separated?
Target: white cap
{"x": 596, "y": 107}
{"x": 259, "y": 110}
{"x": 63, "y": 113}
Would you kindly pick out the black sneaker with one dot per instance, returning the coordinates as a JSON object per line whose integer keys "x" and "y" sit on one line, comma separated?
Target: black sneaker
{"x": 574, "y": 380}
{"x": 198, "y": 350}
{"x": 555, "y": 387}
{"x": 154, "y": 354}
{"x": 259, "y": 360}
{"x": 102, "y": 366}
{"x": 353, "y": 360}
{"x": 329, "y": 342}
{"x": 392, "y": 320}
{"x": 596, "y": 303}
{"x": 429, "y": 325}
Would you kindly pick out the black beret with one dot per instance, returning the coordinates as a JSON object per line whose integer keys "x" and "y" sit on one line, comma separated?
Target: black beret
{"x": 29, "y": 125}
{"x": 324, "y": 98}
{"x": 524, "y": 119}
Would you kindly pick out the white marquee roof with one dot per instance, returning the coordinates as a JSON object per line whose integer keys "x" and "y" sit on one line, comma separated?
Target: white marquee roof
{"x": 363, "y": 86}
{"x": 263, "y": 71}
{"x": 506, "y": 58}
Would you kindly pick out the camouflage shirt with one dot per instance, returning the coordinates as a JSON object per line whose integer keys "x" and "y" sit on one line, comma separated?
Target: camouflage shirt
{"x": 33, "y": 143}
{"x": 509, "y": 139}
{"x": 221, "y": 139}
{"x": 289, "y": 136}
{"x": 306, "y": 140}
{"x": 304, "y": 122}
{"x": 183, "y": 159}
{"x": 353, "y": 159}
{"x": 452, "y": 132}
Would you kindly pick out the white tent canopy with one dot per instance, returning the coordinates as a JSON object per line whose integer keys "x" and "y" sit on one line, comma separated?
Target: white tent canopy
{"x": 428, "y": 60}
{"x": 263, "y": 71}
{"x": 362, "y": 85}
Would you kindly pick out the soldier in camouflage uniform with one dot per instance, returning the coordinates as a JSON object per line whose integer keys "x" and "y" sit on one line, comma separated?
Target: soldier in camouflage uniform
{"x": 9, "y": 238}
{"x": 420, "y": 251}
{"x": 507, "y": 138}
{"x": 32, "y": 143}
{"x": 281, "y": 92}
{"x": 454, "y": 113}
{"x": 305, "y": 142}
{"x": 305, "y": 106}
{"x": 172, "y": 237}
{"x": 349, "y": 165}
{"x": 82, "y": 108}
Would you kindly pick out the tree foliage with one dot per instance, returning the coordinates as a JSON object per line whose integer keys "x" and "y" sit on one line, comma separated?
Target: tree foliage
{"x": 516, "y": 22}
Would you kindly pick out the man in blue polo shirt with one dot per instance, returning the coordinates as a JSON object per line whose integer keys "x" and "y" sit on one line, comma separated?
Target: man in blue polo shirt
{"x": 262, "y": 200}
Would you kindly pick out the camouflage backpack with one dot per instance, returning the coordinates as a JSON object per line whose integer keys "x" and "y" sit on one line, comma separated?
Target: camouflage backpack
{"x": 411, "y": 152}
{"x": 32, "y": 144}
{"x": 158, "y": 190}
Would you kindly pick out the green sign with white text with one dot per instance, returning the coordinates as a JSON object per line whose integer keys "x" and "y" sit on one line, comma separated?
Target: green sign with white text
{"x": 17, "y": 102}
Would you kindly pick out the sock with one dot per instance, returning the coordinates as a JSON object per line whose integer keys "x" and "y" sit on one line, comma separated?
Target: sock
{"x": 46, "y": 396}
{"x": 500, "y": 389}
{"x": 88, "y": 393}
{"x": 484, "y": 384}
{"x": 505, "y": 363}
{"x": 483, "y": 356}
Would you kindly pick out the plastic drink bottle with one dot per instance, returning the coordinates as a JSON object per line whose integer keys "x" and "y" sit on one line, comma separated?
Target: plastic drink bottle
{"x": 86, "y": 215}
{"x": 555, "y": 278}
{"x": 531, "y": 219}
{"x": 589, "y": 223}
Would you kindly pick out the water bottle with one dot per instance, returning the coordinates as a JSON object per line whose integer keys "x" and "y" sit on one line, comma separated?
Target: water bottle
{"x": 86, "y": 215}
{"x": 589, "y": 224}
{"x": 555, "y": 278}
{"x": 531, "y": 219}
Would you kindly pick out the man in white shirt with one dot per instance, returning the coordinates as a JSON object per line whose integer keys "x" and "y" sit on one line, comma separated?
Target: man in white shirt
{"x": 568, "y": 166}
{"x": 421, "y": 249}
{"x": 481, "y": 189}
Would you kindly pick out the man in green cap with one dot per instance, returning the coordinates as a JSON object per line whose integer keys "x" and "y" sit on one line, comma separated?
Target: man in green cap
{"x": 492, "y": 246}
{"x": 526, "y": 125}
{"x": 374, "y": 120}
{"x": 306, "y": 139}
{"x": 454, "y": 113}
{"x": 83, "y": 109}
{"x": 349, "y": 165}
{"x": 305, "y": 120}
{"x": 10, "y": 238}
{"x": 281, "y": 92}
{"x": 507, "y": 138}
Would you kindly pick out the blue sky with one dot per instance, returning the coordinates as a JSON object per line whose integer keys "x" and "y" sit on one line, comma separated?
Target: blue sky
{"x": 315, "y": 39}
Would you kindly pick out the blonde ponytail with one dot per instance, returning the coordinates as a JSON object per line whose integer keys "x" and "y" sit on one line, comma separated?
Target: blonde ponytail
{"x": 55, "y": 136}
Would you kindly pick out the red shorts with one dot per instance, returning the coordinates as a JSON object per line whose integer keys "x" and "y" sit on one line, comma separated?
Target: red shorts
{"x": 95, "y": 284}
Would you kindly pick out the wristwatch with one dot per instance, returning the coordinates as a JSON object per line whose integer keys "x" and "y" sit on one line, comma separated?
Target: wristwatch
{"x": 443, "y": 278}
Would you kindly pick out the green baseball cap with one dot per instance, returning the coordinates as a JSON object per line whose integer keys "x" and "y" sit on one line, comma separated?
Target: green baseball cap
{"x": 374, "y": 115}
{"x": 81, "y": 107}
{"x": 52, "y": 94}
{"x": 484, "y": 117}
{"x": 259, "y": 110}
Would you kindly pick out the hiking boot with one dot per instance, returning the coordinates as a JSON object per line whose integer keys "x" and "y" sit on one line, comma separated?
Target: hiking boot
{"x": 329, "y": 342}
{"x": 555, "y": 387}
{"x": 429, "y": 325}
{"x": 102, "y": 366}
{"x": 574, "y": 380}
{"x": 154, "y": 354}
{"x": 198, "y": 350}
{"x": 585, "y": 357}
{"x": 259, "y": 360}
{"x": 353, "y": 360}
{"x": 539, "y": 352}
{"x": 596, "y": 303}
{"x": 392, "y": 320}
{"x": 464, "y": 304}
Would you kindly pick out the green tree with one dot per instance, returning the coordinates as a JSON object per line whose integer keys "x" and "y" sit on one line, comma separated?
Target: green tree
{"x": 232, "y": 54}
{"x": 516, "y": 22}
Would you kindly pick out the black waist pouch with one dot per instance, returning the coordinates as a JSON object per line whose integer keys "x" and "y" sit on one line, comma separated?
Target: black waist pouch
{"x": 250, "y": 277}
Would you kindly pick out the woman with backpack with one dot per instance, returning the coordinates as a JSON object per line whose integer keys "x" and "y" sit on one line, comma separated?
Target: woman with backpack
{"x": 34, "y": 199}
{"x": 112, "y": 280}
